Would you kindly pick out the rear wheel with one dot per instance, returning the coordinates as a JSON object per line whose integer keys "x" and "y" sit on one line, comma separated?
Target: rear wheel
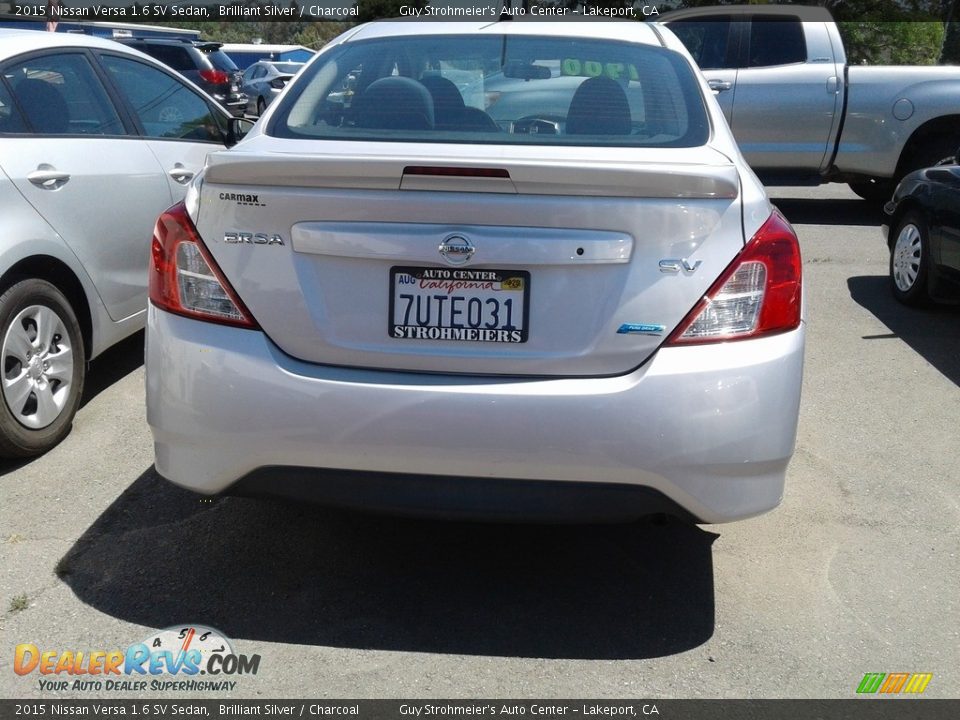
{"x": 42, "y": 361}
{"x": 908, "y": 260}
{"x": 261, "y": 106}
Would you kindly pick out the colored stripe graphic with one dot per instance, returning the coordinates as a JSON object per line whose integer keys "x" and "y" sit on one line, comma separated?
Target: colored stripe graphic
{"x": 894, "y": 683}
{"x": 870, "y": 683}
{"x": 918, "y": 682}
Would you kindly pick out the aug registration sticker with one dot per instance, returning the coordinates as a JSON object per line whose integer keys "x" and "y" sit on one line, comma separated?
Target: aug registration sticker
{"x": 460, "y": 305}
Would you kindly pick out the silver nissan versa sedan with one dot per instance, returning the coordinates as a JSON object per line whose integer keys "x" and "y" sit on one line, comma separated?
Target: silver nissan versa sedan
{"x": 512, "y": 270}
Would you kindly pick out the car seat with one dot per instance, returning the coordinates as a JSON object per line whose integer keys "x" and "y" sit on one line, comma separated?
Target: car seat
{"x": 43, "y": 106}
{"x": 599, "y": 107}
{"x": 450, "y": 112}
{"x": 394, "y": 103}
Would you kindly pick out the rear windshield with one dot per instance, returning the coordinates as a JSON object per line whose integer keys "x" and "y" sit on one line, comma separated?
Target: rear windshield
{"x": 220, "y": 60}
{"x": 497, "y": 89}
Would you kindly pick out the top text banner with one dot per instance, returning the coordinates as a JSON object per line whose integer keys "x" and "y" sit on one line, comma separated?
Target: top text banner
{"x": 145, "y": 11}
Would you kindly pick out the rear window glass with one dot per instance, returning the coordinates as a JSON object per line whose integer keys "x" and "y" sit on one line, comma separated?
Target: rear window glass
{"x": 498, "y": 89}
{"x": 174, "y": 56}
{"x": 220, "y": 60}
{"x": 706, "y": 39}
{"x": 10, "y": 120}
{"x": 776, "y": 42}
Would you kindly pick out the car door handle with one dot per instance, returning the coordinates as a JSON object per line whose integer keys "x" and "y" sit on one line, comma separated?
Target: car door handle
{"x": 46, "y": 178}
{"x": 180, "y": 174}
{"x": 719, "y": 86}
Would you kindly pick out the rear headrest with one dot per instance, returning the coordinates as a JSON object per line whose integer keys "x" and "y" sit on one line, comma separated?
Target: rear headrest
{"x": 446, "y": 96}
{"x": 394, "y": 103}
{"x": 599, "y": 107}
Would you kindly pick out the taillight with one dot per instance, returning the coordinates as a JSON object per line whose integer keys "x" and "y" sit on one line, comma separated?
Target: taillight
{"x": 758, "y": 294}
{"x": 217, "y": 77}
{"x": 185, "y": 279}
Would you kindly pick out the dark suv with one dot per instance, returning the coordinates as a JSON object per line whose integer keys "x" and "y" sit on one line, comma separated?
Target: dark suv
{"x": 202, "y": 62}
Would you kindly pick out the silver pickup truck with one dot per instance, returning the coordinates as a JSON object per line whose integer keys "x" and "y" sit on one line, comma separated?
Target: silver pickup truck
{"x": 801, "y": 115}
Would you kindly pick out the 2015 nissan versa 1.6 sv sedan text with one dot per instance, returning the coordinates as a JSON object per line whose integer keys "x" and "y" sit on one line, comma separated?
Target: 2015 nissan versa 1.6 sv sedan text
{"x": 507, "y": 270}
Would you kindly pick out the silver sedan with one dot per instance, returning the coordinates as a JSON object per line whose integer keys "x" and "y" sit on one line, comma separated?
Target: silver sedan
{"x": 95, "y": 139}
{"x": 264, "y": 80}
{"x": 511, "y": 270}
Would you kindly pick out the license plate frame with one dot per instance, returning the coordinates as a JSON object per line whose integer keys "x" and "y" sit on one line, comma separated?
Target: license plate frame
{"x": 485, "y": 285}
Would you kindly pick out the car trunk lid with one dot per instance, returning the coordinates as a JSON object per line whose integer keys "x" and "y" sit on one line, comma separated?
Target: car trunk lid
{"x": 401, "y": 258}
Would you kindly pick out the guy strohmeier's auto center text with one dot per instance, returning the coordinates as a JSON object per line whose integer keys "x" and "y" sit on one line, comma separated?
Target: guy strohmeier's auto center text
{"x": 566, "y": 709}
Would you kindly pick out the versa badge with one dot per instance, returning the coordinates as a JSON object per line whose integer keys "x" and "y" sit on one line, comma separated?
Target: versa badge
{"x": 235, "y": 237}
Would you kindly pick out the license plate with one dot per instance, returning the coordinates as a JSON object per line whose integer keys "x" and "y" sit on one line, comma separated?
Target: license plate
{"x": 460, "y": 305}
{"x": 234, "y": 88}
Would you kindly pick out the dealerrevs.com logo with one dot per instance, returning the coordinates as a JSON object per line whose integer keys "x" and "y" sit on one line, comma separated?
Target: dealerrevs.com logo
{"x": 181, "y": 658}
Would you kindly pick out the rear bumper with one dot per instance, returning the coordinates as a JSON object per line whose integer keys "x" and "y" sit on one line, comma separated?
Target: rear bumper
{"x": 707, "y": 430}
{"x": 235, "y": 103}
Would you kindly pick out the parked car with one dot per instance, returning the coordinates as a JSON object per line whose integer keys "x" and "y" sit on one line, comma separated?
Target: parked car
{"x": 203, "y": 63}
{"x": 924, "y": 243}
{"x": 264, "y": 80}
{"x": 95, "y": 140}
{"x": 400, "y": 303}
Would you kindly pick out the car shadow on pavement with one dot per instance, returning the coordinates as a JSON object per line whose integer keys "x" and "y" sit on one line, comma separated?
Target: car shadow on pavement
{"x": 932, "y": 331}
{"x": 830, "y": 211}
{"x": 259, "y": 570}
{"x": 112, "y": 366}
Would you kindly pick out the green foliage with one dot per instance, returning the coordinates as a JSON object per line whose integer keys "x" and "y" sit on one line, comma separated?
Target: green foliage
{"x": 311, "y": 34}
{"x": 19, "y": 603}
{"x": 892, "y": 43}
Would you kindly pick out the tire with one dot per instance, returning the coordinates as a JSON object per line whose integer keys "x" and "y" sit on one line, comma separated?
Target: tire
{"x": 261, "y": 106}
{"x": 909, "y": 257}
{"x": 42, "y": 368}
{"x": 876, "y": 190}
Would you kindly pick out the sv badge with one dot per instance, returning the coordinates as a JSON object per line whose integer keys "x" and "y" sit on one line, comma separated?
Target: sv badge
{"x": 675, "y": 265}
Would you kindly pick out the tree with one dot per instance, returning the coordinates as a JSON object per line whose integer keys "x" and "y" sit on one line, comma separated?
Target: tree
{"x": 892, "y": 43}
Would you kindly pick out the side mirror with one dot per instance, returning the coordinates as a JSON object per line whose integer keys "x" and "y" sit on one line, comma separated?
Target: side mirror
{"x": 237, "y": 128}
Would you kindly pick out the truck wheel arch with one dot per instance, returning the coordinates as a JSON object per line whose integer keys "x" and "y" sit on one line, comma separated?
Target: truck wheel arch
{"x": 929, "y": 143}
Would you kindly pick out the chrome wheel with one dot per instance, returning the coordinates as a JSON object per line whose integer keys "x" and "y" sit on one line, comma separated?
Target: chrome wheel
{"x": 38, "y": 366}
{"x": 907, "y": 257}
